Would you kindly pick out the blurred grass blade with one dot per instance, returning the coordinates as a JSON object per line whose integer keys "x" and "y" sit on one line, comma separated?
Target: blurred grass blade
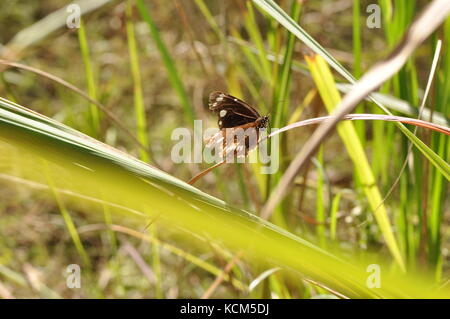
{"x": 210, "y": 19}
{"x": 249, "y": 55}
{"x": 139, "y": 107}
{"x": 73, "y": 88}
{"x": 11, "y": 275}
{"x": 261, "y": 278}
{"x": 320, "y": 203}
{"x": 333, "y": 215}
{"x": 284, "y": 19}
{"x": 325, "y": 83}
{"x": 41, "y": 29}
{"x": 282, "y": 89}
{"x": 386, "y": 100}
{"x": 208, "y": 267}
{"x": 356, "y": 39}
{"x": 256, "y": 37}
{"x": 357, "y": 69}
{"x": 66, "y": 216}
{"x": 439, "y": 188}
{"x": 281, "y": 105}
{"x": 172, "y": 72}
{"x": 401, "y": 106}
{"x": 83, "y": 168}
{"x": 92, "y": 90}
{"x": 422, "y": 27}
{"x": 142, "y": 130}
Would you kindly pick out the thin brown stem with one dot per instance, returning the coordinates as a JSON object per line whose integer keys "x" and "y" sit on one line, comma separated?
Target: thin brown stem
{"x": 72, "y": 87}
{"x": 221, "y": 277}
{"x": 350, "y": 117}
{"x": 203, "y": 173}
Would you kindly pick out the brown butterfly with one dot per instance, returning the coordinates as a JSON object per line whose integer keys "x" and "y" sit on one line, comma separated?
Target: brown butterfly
{"x": 234, "y": 114}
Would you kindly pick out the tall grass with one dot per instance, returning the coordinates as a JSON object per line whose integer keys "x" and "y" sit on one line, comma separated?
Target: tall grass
{"x": 148, "y": 190}
{"x": 172, "y": 72}
{"x": 139, "y": 108}
{"x": 320, "y": 238}
{"x": 94, "y": 115}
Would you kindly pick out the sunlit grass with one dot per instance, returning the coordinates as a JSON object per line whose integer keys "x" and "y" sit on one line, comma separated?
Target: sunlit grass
{"x": 96, "y": 202}
{"x": 93, "y": 174}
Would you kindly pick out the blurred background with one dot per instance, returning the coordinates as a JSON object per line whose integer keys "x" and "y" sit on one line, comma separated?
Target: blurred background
{"x": 154, "y": 73}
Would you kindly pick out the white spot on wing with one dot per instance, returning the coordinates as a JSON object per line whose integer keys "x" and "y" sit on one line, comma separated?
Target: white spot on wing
{"x": 223, "y": 113}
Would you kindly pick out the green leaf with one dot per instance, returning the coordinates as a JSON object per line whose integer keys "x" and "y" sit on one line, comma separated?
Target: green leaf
{"x": 89, "y": 173}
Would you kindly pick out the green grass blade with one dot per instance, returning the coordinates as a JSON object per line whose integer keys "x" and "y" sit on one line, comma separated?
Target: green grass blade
{"x": 206, "y": 266}
{"x": 66, "y": 216}
{"x": 283, "y": 18}
{"x": 282, "y": 90}
{"x": 249, "y": 55}
{"x": 210, "y": 19}
{"x": 357, "y": 71}
{"x": 84, "y": 169}
{"x": 333, "y": 215}
{"x": 172, "y": 72}
{"x": 320, "y": 202}
{"x": 92, "y": 89}
{"x": 46, "y": 26}
{"x": 330, "y": 95}
{"x": 139, "y": 107}
{"x": 256, "y": 37}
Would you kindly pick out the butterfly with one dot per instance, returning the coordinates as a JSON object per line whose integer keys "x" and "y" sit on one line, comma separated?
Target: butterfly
{"x": 234, "y": 115}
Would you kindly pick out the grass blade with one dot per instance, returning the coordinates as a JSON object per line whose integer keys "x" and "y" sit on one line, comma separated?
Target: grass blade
{"x": 330, "y": 95}
{"x": 172, "y": 72}
{"x": 137, "y": 84}
{"x": 83, "y": 168}
{"x": 431, "y": 18}
{"x": 92, "y": 90}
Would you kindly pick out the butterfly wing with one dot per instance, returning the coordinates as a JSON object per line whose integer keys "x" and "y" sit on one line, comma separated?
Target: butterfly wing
{"x": 227, "y": 146}
{"x": 234, "y": 114}
{"x": 232, "y": 111}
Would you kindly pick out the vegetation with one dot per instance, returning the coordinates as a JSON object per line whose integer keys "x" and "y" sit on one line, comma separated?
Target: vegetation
{"x": 87, "y": 176}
